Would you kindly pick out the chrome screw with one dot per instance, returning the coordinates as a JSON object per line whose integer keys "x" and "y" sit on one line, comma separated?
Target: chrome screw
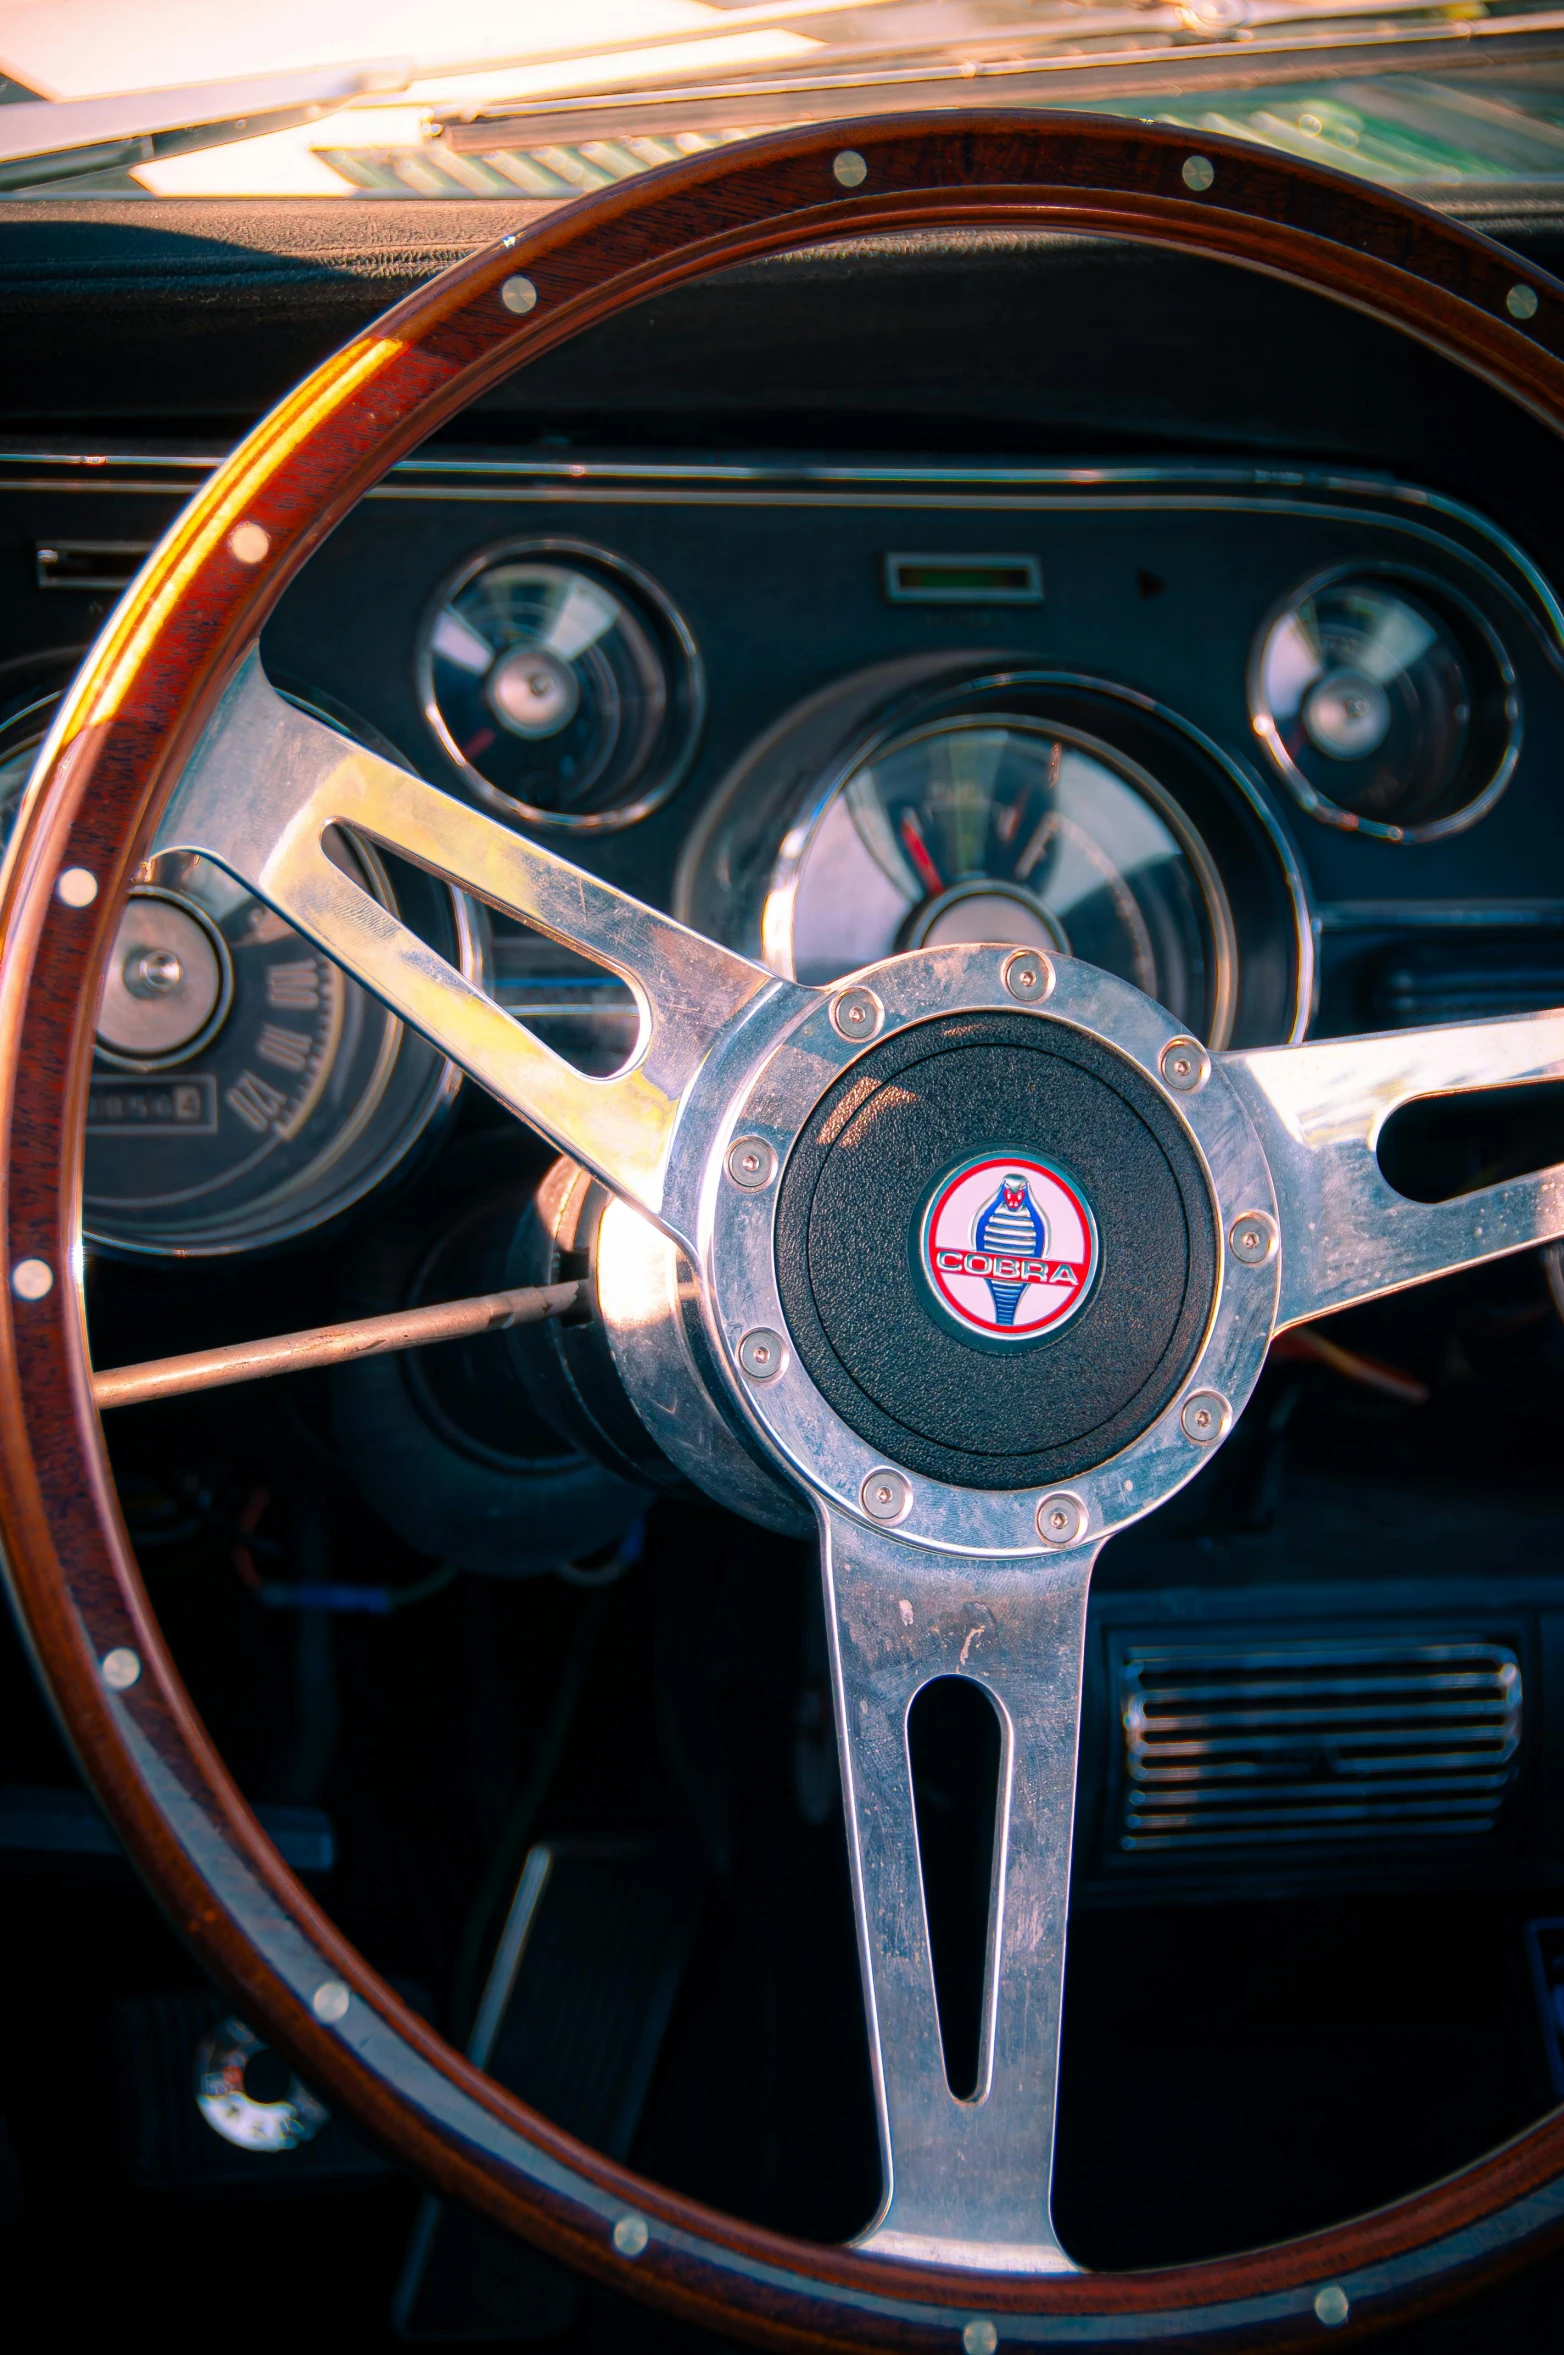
{"x": 751, "y": 1164}
{"x": 519, "y": 296}
{"x": 1332, "y": 2305}
{"x": 849, "y": 170}
{"x": 1197, "y": 172}
{"x": 762, "y": 1354}
{"x": 979, "y": 2337}
{"x": 120, "y": 1668}
{"x": 1029, "y": 976}
{"x": 1521, "y": 302}
{"x": 856, "y": 1014}
{"x": 32, "y": 1279}
{"x": 76, "y": 887}
{"x": 1252, "y": 1238}
{"x": 1061, "y": 1519}
{"x": 330, "y": 2001}
{"x": 886, "y": 1495}
{"x": 1205, "y": 1416}
{"x": 1185, "y": 1065}
{"x": 631, "y": 2235}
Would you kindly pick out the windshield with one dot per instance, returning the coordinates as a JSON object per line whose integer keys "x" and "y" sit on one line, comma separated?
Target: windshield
{"x": 489, "y": 98}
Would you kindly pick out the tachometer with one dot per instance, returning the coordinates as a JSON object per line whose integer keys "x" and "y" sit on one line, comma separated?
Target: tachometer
{"x": 1007, "y": 828}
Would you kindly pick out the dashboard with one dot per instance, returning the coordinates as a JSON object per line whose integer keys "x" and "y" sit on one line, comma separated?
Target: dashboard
{"x": 950, "y": 589}
{"x": 1277, "y": 748}
{"x": 881, "y": 596}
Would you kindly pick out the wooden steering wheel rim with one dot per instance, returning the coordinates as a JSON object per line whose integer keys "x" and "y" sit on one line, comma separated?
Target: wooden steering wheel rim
{"x": 118, "y": 745}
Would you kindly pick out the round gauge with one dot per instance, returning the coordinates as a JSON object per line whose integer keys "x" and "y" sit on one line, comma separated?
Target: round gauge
{"x": 1389, "y": 707}
{"x": 1010, "y": 830}
{"x": 243, "y": 1090}
{"x": 562, "y": 683}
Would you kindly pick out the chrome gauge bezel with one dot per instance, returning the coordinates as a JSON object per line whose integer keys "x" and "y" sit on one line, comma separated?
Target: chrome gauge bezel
{"x": 667, "y": 622}
{"x": 1306, "y": 794}
{"x": 777, "y": 912}
{"x": 760, "y": 813}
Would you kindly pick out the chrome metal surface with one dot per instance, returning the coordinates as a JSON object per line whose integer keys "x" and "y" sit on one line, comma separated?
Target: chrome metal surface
{"x": 648, "y": 1299}
{"x": 847, "y": 887}
{"x": 1205, "y": 1417}
{"x": 1318, "y": 1111}
{"x": 1250, "y": 1745}
{"x": 1185, "y": 1065}
{"x": 1061, "y": 1519}
{"x": 330, "y": 1345}
{"x": 966, "y": 2182}
{"x": 762, "y": 1355}
{"x": 131, "y": 468}
{"x": 258, "y": 795}
{"x": 857, "y": 1015}
{"x": 537, "y": 702}
{"x": 1347, "y": 714}
{"x": 1252, "y": 1238}
{"x": 751, "y": 1163}
{"x": 1029, "y": 977}
{"x": 887, "y": 1495}
{"x": 791, "y": 1418}
{"x": 169, "y": 983}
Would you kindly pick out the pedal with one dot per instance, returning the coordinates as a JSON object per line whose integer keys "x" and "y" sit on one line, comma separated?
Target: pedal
{"x": 572, "y": 2019}
{"x": 1545, "y": 1943}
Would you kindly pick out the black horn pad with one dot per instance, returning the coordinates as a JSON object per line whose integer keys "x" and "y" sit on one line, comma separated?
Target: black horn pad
{"x": 972, "y": 1397}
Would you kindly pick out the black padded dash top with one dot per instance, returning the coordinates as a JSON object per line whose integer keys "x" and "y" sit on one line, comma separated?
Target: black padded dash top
{"x": 863, "y": 1316}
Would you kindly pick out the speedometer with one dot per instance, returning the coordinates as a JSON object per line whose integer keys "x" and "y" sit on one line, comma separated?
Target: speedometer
{"x": 243, "y": 1091}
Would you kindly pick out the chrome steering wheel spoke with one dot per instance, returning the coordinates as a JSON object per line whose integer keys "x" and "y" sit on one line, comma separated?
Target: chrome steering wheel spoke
{"x": 966, "y": 2181}
{"x": 259, "y": 795}
{"x": 1319, "y": 1111}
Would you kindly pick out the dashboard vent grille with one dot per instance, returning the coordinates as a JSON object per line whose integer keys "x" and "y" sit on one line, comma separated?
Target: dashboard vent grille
{"x": 1316, "y": 1744}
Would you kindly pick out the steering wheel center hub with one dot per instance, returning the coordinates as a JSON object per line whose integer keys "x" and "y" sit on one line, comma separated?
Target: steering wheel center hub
{"x": 996, "y": 1249}
{"x": 992, "y": 1252}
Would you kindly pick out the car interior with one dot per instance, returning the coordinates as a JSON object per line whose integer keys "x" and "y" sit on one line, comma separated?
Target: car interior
{"x": 865, "y": 770}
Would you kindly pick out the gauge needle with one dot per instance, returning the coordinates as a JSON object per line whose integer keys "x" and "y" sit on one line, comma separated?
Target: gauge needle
{"x": 917, "y": 850}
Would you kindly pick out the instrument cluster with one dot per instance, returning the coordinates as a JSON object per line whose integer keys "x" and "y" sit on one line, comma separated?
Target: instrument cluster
{"x": 1174, "y": 731}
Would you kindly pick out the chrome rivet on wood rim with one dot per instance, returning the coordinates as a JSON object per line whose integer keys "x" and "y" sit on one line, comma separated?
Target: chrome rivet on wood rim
{"x": 76, "y": 887}
{"x": 330, "y": 2001}
{"x": 1521, "y": 302}
{"x": 519, "y": 295}
{"x": 1029, "y": 976}
{"x": 1185, "y": 1065}
{"x": 248, "y": 543}
{"x": 120, "y": 1668}
{"x": 1332, "y": 2305}
{"x": 1204, "y": 1417}
{"x": 631, "y": 2235}
{"x": 1198, "y": 172}
{"x": 1061, "y": 1519}
{"x": 979, "y": 2337}
{"x": 849, "y": 169}
{"x": 32, "y": 1279}
{"x": 856, "y": 1014}
{"x": 1252, "y": 1238}
{"x": 752, "y": 1163}
{"x": 886, "y": 1495}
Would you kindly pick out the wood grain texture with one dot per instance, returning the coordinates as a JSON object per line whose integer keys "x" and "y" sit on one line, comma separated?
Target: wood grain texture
{"x": 131, "y": 718}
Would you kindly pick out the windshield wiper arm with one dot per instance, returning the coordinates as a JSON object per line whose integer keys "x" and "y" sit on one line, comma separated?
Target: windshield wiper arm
{"x": 43, "y": 141}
